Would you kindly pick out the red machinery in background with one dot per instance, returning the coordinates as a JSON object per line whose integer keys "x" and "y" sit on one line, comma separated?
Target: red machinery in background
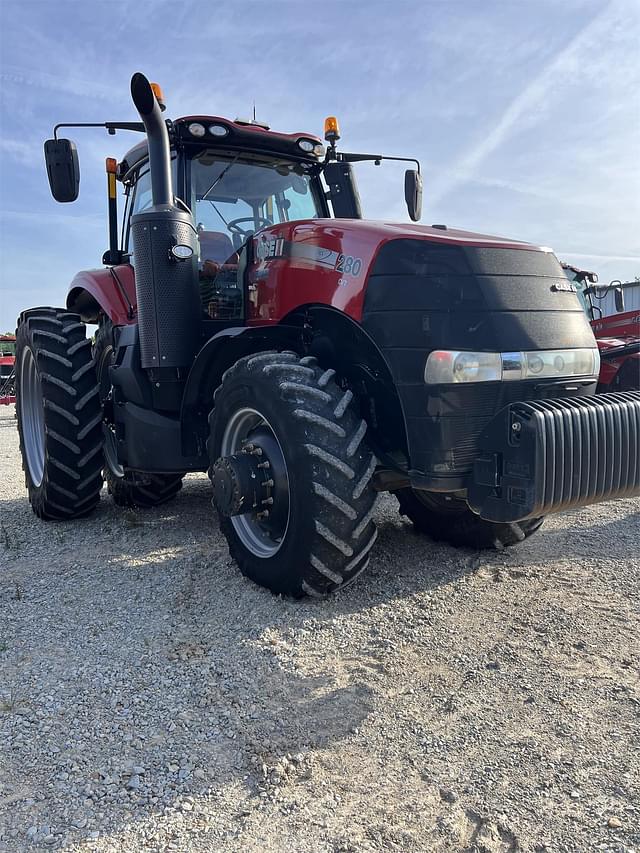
{"x": 617, "y": 335}
{"x": 7, "y": 369}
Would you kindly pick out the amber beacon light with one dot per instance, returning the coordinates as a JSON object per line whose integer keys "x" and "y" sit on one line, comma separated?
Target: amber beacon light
{"x": 331, "y": 129}
{"x": 157, "y": 91}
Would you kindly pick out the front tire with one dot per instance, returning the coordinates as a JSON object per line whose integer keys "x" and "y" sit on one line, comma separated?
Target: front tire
{"x": 59, "y": 414}
{"x": 449, "y": 519}
{"x": 311, "y": 529}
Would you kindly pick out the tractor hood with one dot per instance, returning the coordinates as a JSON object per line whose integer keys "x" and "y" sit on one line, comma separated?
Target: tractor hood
{"x": 485, "y": 290}
{"x": 418, "y": 286}
{"x": 471, "y": 292}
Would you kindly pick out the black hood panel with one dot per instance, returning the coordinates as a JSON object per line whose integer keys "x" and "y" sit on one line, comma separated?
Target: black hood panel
{"x": 494, "y": 331}
{"x": 459, "y": 297}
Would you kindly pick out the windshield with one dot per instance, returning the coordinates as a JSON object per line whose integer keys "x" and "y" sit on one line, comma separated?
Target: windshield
{"x": 7, "y": 348}
{"x": 581, "y": 287}
{"x": 234, "y": 198}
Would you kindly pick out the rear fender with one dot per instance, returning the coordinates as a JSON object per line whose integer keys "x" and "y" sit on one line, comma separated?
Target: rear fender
{"x": 110, "y": 291}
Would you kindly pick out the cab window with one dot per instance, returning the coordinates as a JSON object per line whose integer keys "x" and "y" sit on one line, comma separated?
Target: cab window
{"x": 142, "y": 199}
{"x": 232, "y": 199}
{"x": 239, "y": 197}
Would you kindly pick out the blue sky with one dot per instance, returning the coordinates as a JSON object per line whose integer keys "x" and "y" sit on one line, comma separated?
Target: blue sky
{"x": 524, "y": 113}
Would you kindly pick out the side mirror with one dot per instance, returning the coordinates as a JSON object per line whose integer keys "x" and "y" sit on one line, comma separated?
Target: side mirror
{"x": 618, "y": 296}
{"x": 413, "y": 193}
{"x": 63, "y": 171}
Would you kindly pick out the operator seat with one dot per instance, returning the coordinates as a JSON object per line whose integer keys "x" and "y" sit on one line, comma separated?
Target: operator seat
{"x": 216, "y": 246}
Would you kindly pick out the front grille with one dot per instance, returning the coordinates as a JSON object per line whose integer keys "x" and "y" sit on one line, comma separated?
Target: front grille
{"x": 477, "y": 405}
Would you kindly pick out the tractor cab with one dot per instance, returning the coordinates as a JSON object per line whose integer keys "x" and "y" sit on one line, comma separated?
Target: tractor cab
{"x": 235, "y": 178}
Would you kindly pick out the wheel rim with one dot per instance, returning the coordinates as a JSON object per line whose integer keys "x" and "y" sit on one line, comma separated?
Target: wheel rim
{"x": 32, "y": 416}
{"x": 263, "y": 537}
{"x": 108, "y": 429}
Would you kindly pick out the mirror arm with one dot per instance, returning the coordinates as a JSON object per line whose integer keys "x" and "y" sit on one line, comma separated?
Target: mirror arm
{"x": 356, "y": 158}
{"x": 111, "y": 126}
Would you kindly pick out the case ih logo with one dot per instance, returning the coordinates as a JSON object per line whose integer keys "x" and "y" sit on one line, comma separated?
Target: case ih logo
{"x": 564, "y": 285}
{"x": 270, "y": 249}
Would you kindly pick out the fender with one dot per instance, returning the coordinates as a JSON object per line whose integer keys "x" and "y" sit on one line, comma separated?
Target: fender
{"x": 337, "y": 342}
{"x": 341, "y": 343}
{"x": 217, "y": 355}
{"x": 110, "y": 291}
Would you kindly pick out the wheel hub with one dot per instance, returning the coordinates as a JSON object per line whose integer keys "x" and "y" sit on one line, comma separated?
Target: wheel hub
{"x": 251, "y": 484}
{"x": 240, "y": 485}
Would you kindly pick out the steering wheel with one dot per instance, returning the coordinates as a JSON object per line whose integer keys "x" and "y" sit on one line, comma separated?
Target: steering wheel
{"x": 257, "y": 221}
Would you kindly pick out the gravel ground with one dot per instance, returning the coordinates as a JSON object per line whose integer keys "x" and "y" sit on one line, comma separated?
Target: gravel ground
{"x": 153, "y": 699}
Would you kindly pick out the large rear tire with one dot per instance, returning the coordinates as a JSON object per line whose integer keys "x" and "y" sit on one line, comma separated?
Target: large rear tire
{"x": 127, "y": 487}
{"x": 59, "y": 414}
{"x": 312, "y": 528}
{"x": 449, "y": 519}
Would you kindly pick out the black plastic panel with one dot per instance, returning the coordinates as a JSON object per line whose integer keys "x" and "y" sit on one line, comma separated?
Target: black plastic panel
{"x": 424, "y": 257}
{"x": 553, "y": 455}
{"x": 167, "y": 290}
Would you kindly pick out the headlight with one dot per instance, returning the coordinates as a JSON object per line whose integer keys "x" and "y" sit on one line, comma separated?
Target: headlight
{"x": 219, "y": 130}
{"x": 196, "y": 129}
{"x": 445, "y": 366}
{"x": 307, "y": 145}
{"x": 453, "y": 366}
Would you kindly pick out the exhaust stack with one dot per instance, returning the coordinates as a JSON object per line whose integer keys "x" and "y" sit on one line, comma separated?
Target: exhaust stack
{"x": 166, "y": 286}
{"x": 148, "y": 107}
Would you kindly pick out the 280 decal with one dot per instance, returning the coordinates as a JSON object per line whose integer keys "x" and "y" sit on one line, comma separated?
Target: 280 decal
{"x": 346, "y": 265}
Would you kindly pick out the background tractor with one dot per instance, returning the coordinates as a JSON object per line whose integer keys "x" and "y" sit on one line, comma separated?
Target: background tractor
{"x": 617, "y": 335}
{"x": 253, "y": 325}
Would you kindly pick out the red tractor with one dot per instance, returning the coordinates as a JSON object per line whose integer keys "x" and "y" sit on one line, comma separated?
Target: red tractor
{"x": 253, "y": 325}
{"x": 7, "y": 369}
{"x": 617, "y": 335}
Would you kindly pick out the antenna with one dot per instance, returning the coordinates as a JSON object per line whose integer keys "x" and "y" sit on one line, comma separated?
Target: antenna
{"x": 254, "y": 110}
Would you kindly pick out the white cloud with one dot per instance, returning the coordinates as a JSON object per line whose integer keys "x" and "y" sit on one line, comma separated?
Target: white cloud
{"x": 530, "y": 105}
